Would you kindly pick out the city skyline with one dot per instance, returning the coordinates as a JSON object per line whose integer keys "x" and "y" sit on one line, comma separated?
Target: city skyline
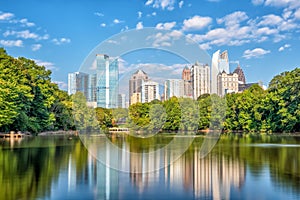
{"x": 262, "y": 35}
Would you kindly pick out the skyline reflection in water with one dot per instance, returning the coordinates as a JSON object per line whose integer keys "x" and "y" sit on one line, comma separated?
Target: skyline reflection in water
{"x": 237, "y": 168}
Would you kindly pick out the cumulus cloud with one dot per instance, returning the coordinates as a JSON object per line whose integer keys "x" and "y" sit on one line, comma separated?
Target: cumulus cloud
{"x": 116, "y": 21}
{"x": 233, "y": 19}
{"x": 25, "y": 22}
{"x": 139, "y": 14}
{"x": 62, "y": 85}
{"x": 35, "y": 47}
{"x": 180, "y": 4}
{"x": 139, "y": 25}
{"x": 196, "y": 23}
{"x": 297, "y": 14}
{"x": 99, "y": 14}
{"x": 11, "y": 43}
{"x": 257, "y": 2}
{"x": 163, "y": 4}
{"x": 270, "y": 20}
{"x": 60, "y": 41}
{"x": 282, "y": 3}
{"x": 255, "y": 53}
{"x": 282, "y": 48}
{"x": 6, "y": 16}
{"x": 103, "y": 25}
{"x": 166, "y": 26}
{"x": 48, "y": 65}
{"x": 26, "y": 34}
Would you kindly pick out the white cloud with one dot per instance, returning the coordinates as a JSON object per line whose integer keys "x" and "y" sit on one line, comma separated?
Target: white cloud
{"x": 297, "y": 14}
{"x": 287, "y": 14}
{"x": 139, "y": 14}
{"x": 99, "y": 14}
{"x": 35, "y": 47}
{"x": 60, "y": 41}
{"x": 163, "y": 4}
{"x": 47, "y": 65}
{"x": 139, "y": 25}
{"x": 6, "y": 16}
{"x": 153, "y": 14}
{"x": 257, "y": 2}
{"x": 233, "y": 19}
{"x": 62, "y": 85}
{"x": 282, "y": 3}
{"x": 164, "y": 39}
{"x": 196, "y": 23}
{"x": 149, "y": 2}
{"x": 270, "y": 20}
{"x": 11, "y": 43}
{"x": 25, "y": 22}
{"x": 180, "y": 4}
{"x": 117, "y": 21}
{"x": 286, "y": 46}
{"x": 103, "y": 25}
{"x": 21, "y": 34}
{"x": 255, "y": 53}
{"x": 26, "y": 34}
{"x": 166, "y": 26}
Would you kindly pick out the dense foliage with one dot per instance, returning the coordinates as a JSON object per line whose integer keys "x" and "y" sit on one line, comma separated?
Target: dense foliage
{"x": 274, "y": 110}
{"x": 29, "y": 101}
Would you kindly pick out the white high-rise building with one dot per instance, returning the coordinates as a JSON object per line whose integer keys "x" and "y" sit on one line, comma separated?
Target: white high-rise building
{"x": 174, "y": 87}
{"x": 220, "y": 63}
{"x": 227, "y": 83}
{"x": 150, "y": 91}
{"x": 200, "y": 79}
{"x": 135, "y": 85}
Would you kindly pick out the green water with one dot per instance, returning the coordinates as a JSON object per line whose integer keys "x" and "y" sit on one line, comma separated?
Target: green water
{"x": 238, "y": 167}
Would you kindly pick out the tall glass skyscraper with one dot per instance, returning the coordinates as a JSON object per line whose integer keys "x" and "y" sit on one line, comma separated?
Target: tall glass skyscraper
{"x": 220, "y": 63}
{"x": 107, "y": 81}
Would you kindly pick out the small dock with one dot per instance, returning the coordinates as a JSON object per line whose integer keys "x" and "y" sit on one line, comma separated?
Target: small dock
{"x": 11, "y": 135}
{"x": 118, "y": 130}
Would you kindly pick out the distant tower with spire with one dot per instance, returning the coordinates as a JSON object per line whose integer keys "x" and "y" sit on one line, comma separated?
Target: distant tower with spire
{"x": 241, "y": 75}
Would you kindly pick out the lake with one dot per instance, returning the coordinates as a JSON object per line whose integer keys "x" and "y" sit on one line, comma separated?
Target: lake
{"x": 125, "y": 167}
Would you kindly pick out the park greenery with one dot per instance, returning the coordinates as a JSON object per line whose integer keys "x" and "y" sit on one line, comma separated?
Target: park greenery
{"x": 30, "y": 102}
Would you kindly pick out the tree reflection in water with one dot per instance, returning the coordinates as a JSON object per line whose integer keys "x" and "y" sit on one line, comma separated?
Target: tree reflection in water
{"x": 43, "y": 167}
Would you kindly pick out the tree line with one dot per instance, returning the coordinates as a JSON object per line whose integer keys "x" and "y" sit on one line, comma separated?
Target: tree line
{"x": 276, "y": 109}
{"x": 29, "y": 101}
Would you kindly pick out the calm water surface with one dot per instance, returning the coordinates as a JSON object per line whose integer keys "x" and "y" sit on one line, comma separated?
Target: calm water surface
{"x": 239, "y": 167}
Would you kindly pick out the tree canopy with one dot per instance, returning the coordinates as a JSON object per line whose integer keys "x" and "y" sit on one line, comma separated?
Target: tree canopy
{"x": 29, "y": 101}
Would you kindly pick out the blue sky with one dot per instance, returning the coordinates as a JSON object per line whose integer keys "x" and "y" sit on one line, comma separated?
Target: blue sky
{"x": 262, "y": 35}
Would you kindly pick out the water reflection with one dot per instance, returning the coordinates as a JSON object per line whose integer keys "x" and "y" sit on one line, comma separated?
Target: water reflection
{"x": 238, "y": 167}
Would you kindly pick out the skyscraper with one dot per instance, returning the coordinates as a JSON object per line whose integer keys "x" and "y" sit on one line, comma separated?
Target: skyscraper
{"x": 135, "y": 83}
{"x": 220, "y": 63}
{"x": 200, "y": 79}
{"x": 121, "y": 101}
{"x": 186, "y": 77}
{"x": 174, "y": 87}
{"x": 150, "y": 91}
{"x": 227, "y": 83}
{"x": 78, "y": 82}
{"x": 92, "y": 88}
{"x": 107, "y": 81}
{"x": 241, "y": 78}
